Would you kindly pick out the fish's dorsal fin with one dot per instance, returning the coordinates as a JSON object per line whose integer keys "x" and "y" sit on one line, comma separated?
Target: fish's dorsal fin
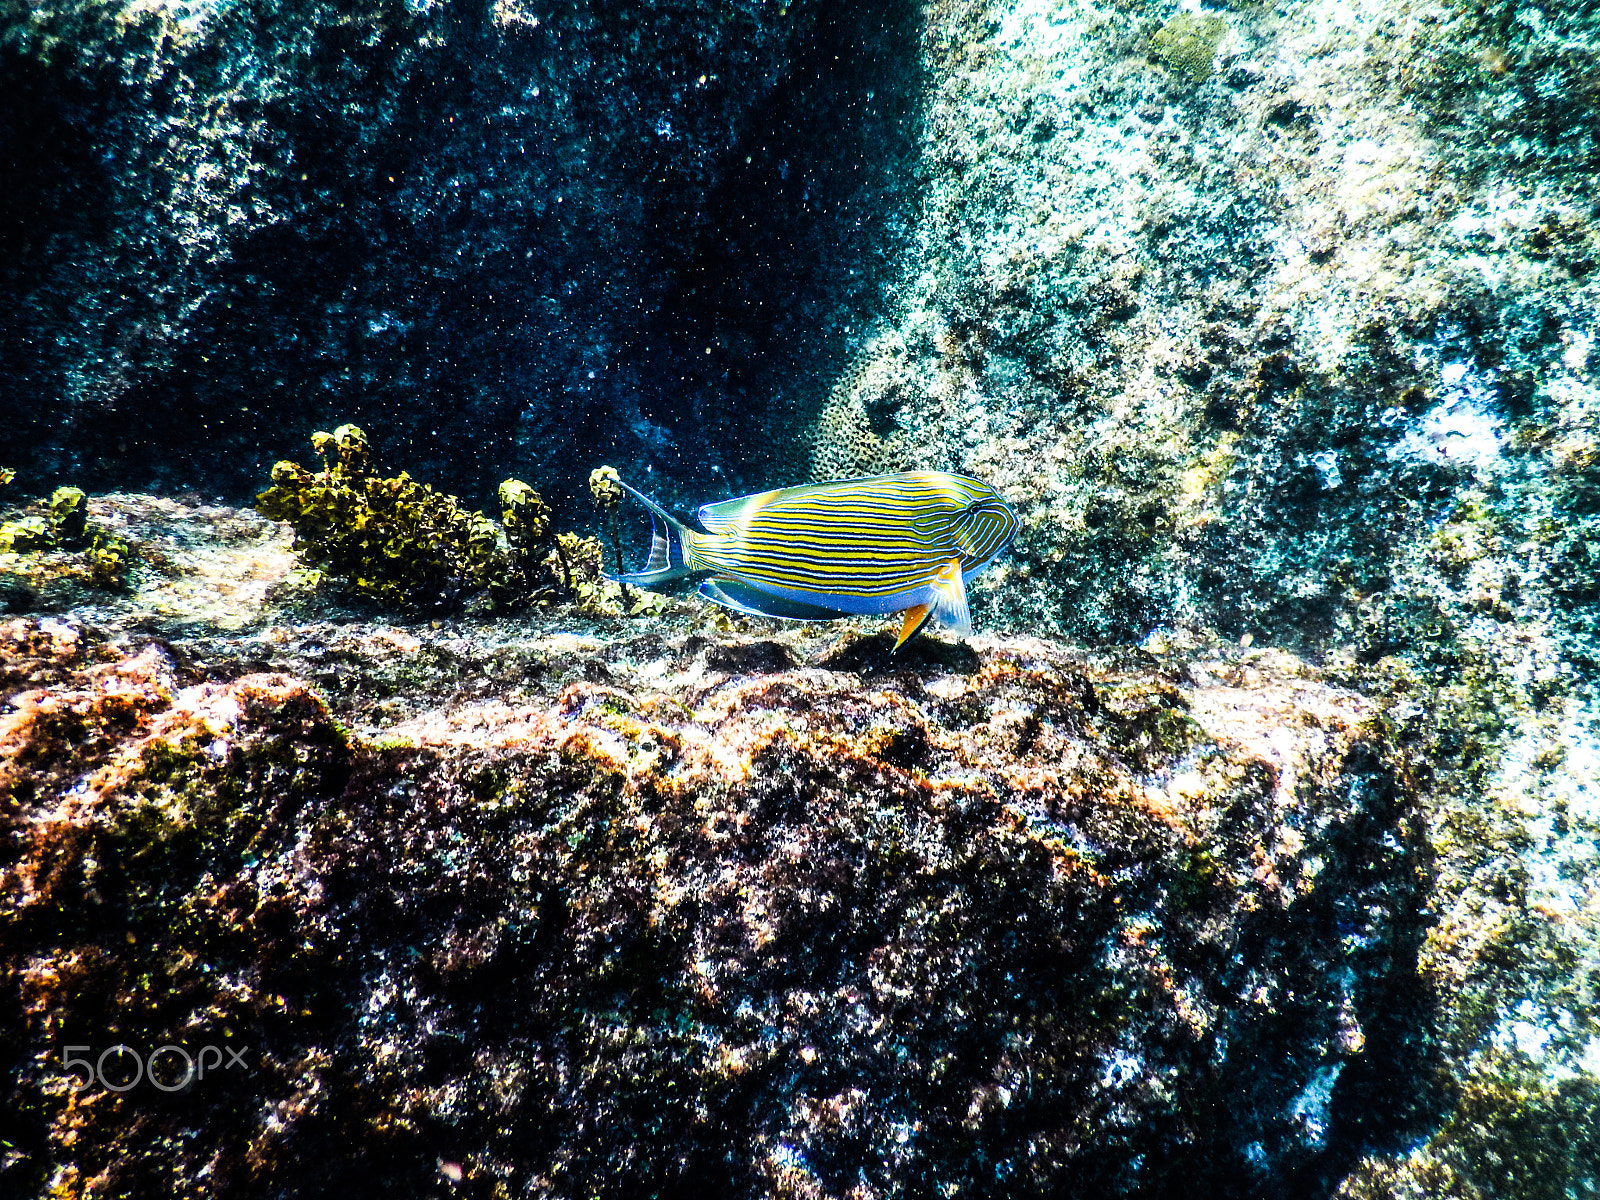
{"x": 950, "y": 600}
{"x": 725, "y": 515}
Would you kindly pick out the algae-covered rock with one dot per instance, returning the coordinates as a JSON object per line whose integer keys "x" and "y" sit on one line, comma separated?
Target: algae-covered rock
{"x": 69, "y": 517}
{"x": 25, "y": 534}
{"x": 59, "y": 550}
{"x": 1188, "y": 42}
{"x": 536, "y": 211}
{"x": 881, "y": 922}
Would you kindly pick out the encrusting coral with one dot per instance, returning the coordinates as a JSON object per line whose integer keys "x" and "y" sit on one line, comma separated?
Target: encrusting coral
{"x": 1188, "y": 44}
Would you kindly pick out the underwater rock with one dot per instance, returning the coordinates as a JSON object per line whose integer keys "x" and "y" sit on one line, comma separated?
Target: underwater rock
{"x": 504, "y": 232}
{"x": 1300, "y": 355}
{"x": 50, "y": 553}
{"x": 153, "y": 559}
{"x": 737, "y": 918}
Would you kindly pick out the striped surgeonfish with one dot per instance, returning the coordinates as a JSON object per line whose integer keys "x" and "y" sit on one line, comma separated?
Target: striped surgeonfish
{"x": 903, "y": 543}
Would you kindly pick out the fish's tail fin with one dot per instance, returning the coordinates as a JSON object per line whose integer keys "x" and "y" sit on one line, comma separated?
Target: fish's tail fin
{"x": 670, "y": 539}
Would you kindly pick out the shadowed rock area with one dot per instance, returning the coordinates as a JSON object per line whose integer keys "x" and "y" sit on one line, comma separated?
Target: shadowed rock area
{"x": 493, "y": 233}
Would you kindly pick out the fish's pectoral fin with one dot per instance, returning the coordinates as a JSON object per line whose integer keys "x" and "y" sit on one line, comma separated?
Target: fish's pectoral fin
{"x": 950, "y": 600}
{"x": 911, "y": 622}
{"x": 725, "y": 515}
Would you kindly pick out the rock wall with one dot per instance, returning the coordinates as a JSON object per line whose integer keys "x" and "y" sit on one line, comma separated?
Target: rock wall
{"x": 1275, "y": 323}
{"x": 506, "y": 238}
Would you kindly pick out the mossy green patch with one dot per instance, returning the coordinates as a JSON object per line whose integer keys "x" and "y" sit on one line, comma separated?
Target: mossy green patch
{"x": 393, "y": 741}
{"x": 392, "y": 540}
{"x": 69, "y": 517}
{"x": 1512, "y": 1134}
{"x": 1187, "y": 44}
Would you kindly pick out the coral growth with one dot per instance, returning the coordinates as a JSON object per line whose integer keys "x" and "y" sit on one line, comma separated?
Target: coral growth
{"x": 394, "y": 541}
{"x": 1187, "y": 44}
{"x": 843, "y": 444}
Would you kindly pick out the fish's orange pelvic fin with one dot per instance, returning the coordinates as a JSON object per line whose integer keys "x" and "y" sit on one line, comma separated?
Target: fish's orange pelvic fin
{"x": 911, "y": 620}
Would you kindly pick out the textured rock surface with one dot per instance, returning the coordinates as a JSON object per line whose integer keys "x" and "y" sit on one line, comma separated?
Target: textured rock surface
{"x": 507, "y": 911}
{"x": 492, "y": 234}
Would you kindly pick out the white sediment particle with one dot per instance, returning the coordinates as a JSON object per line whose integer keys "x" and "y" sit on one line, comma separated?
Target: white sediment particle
{"x": 1459, "y": 429}
{"x": 1326, "y": 463}
{"x": 1121, "y": 1066}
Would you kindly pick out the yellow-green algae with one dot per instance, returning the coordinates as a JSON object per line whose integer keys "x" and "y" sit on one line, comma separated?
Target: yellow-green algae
{"x": 1188, "y": 44}
{"x": 390, "y": 540}
{"x": 63, "y": 524}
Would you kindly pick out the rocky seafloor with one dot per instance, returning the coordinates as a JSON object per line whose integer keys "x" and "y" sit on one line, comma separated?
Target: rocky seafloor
{"x": 676, "y": 905}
